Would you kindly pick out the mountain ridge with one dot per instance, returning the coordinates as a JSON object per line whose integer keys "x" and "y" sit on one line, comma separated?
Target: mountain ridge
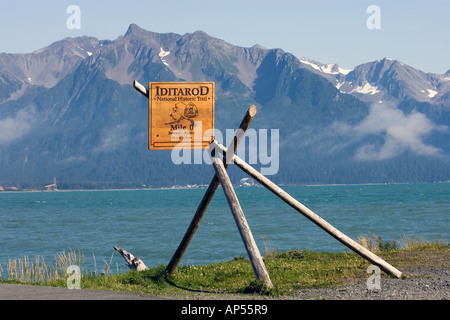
{"x": 90, "y": 127}
{"x": 366, "y": 81}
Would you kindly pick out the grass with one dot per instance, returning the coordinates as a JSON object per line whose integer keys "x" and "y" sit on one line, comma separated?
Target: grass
{"x": 375, "y": 244}
{"x": 23, "y": 270}
{"x": 289, "y": 271}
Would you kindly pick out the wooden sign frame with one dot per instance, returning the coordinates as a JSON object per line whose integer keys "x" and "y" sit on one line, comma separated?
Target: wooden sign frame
{"x": 181, "y": 115}
{"x": 222, "y": 178}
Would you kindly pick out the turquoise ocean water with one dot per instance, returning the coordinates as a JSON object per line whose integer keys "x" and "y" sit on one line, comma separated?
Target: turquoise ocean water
{"x": 151, "y": 223}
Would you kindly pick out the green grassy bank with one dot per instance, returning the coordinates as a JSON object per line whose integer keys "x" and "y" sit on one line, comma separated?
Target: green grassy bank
{"x": 289, "y": 271}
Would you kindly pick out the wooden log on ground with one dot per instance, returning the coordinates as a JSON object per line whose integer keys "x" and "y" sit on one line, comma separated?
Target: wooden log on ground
{"x": 350, "y": 243}
{"x": 250, "y": 245}
{"x": 131, "y": 261}
{"x": 206, "y": 200}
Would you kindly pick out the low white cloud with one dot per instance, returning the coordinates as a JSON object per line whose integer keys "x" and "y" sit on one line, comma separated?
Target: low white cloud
{"x": 112, "y": 138}
{"x": 15, "y": 127}
{"x": 401, "y": 133}
{"x": 390, "y": 131}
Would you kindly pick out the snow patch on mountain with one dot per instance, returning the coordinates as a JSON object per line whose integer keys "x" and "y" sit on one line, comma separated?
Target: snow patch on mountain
{"x": 339, "y": 84}
{"x": 330, "y": 68}
{"x": 315, "y": 66}
{"x": 163, "y": 54}
{"x": 431, "y": 93}
{"x": 366, "y": 89}
{"x": 344, "y": 71}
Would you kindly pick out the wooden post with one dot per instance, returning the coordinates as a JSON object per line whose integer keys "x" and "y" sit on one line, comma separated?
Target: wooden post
{"x": 353, "y": 245}
{"x": 206, "y": 200}
{"x": 250, "y": 245}
{"x": 139, "y": 87}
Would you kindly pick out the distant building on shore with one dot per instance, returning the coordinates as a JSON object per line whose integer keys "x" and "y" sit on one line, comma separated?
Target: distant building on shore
{"x": 9, "y": 189}
{"x": 246, "y": 182}
{"x": 52, "y": 187}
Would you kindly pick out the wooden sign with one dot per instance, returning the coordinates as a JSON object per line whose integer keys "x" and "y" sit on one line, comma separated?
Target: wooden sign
{"x": 181, "y": 114}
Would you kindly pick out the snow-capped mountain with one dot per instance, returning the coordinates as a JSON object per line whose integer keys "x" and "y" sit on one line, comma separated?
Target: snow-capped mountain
{"x": 381, "y": 80}
{"x": 386, "y": 80}
{"x": 69, "y": 111}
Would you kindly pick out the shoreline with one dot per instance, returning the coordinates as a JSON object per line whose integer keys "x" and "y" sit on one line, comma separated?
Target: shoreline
{"x": 193, "y": 187}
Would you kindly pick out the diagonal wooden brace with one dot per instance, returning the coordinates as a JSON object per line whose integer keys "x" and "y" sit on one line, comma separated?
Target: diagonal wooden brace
{"x": 338, "y": 235}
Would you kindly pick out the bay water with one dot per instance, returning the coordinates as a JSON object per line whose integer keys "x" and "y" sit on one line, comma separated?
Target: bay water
{"x": 151, "y": 223}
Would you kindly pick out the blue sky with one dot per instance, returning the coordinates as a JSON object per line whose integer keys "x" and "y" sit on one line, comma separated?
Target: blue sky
{"x": 333, "y": 31}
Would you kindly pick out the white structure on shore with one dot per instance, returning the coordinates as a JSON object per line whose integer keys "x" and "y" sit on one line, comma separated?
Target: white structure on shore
{"x": 52, "y": 187}
{"x": 246, "y": 182}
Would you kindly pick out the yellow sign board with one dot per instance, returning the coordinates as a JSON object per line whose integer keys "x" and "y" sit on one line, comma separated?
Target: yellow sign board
{"x": 181, "y": 115}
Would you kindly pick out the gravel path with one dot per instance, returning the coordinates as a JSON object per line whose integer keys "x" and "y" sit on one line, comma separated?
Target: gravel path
{"x": 426, "y": 283}
{"x": 420, "y": 283}
{"x": 30, "y": 292}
